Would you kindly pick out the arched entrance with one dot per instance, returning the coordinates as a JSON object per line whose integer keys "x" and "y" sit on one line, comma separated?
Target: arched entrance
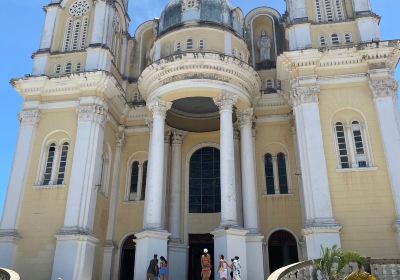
{"x": 127, "y": 265}
{"x": 282, "y": 250}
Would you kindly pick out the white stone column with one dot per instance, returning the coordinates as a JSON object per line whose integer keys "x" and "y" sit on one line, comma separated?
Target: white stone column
{"x": 228, "y": 187}
{"x": 320, "y": 227}
{"x": 297, "y": 9}
{"x": 254, "y": 245}
{"x": 384, "y": 89}
{"x": 177, "y": 251}
{"x": 75, "y": 247}
{"x": 109, "y": 246}
{"x": 238, "y": 177}
{"x": 9, "y": 236}
{"x": 49, "y": 25}
{"x": 165, "y": 208}
{"x": 153, "y": 239}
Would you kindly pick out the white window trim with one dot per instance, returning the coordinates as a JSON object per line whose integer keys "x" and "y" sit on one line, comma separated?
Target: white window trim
{"x": 134, "y": 197}
{"x": 56, "y": 163}
{"x": 276, "y": 174}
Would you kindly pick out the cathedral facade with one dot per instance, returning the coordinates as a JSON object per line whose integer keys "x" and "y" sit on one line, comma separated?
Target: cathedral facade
{"x": 263, "y": 136}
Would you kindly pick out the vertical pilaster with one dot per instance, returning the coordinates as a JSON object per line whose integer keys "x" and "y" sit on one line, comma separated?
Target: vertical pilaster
{"x": 109, "y": 247}
{"x": 167, "y": 149}
{"x": 75, "y": 245}
{"x": 299, "y": 27}
{"x": 320, "y": 227}
{"x": 238, "y": 177}
{"x": 153, "y": 239}
{"x": 49, "y": 25}
{"x": 9, "y": 236}
{"x": 384, "y": 89}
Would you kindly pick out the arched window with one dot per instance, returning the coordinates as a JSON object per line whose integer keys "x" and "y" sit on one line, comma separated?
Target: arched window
{"x": 329, "y": 10}
{"x": 75, "y": 35}
{"x": 85, "y": 28}
{"x": 77, "y": 26}
{"x": 282, "y": 250}
{"x": 269, "y": 174}
{"x": 204, "y": 181}
{"x": 335, "y": 39}
{"x": 78, "y": 67}
{"x": 49, "y": 164}
{"x": 347, "y": 38}
{"x": 127, "y": 269}
{"x": 57, "y": 69}
{"x": 322, "y": 41}
{"x": 178, "y": 46}
{"x": 63, "y": 164}
{"x": 339, "y": 10}
{"x": 189, "y": 44}
{"x": 201, "y": 44}
{"x": 144, "y": 178}
{"x": 342, "y": 145}
{"x": 68, "y": 68}
{"x": 269, "y": 84}
{"x": 318, "y": 10}
{"x": 67, "y": 36}
{"x": 134, "y": 179}
{"x": 359, "y": 146}
{"x": 283, "y": 182}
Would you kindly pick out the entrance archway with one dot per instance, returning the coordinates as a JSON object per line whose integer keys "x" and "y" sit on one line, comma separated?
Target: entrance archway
{"x": 197, "y": 243}
{"x": 127, "y": 265}
{"x": 282, "y": 250}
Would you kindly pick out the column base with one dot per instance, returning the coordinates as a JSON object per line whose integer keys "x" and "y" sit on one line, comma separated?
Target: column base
{"x": 255, "y": 257}
{"x": 148, "y": 243}
{"x": 318, "y": 235}
{"x": 108, "y": 252}
{"x": 74, "y": 256}
{"x": 8, "y": 247}
{"x": 230, "y": 243}
{"x": 178, "y": 260}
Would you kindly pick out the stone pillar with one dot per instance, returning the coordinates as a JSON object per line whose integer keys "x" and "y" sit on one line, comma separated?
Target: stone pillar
{"x": 49, "y": 25}
{"x": 299, "y": 30}
{"x": 109, "y": 247}
{"x": 384, "y": 89}
{"x": 254, "y": 245}
{"x": 361, "y": 6}
{"x": 238, "y": 177}
{"x": 320, "y": 227}
{"x": 228, "y": 187}
{"x": 153, "y": 239}
{"x": 167, "y": 148}
{"x": 75, "y": 247}
{"x": 177, "y": 251}
{"x": 9, "y": 236}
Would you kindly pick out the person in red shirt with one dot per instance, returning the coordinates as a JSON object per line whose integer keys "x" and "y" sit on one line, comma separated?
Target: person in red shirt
{"x": 205, "y": 265}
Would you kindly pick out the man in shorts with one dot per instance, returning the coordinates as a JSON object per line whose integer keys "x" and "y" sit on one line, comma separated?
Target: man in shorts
{"x": 205, "y": 265}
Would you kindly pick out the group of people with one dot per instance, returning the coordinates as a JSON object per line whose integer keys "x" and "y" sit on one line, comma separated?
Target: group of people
{"x": 155, "y": 270}
{"x": 223, "y": 267}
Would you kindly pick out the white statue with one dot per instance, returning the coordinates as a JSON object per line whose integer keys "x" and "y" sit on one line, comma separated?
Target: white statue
{"x": 264, "y": 44}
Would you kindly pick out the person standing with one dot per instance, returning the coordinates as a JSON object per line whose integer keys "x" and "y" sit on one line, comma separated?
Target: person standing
{"x": 236, "y": 269}
{"x": 152, "y": 270}
{"x": 223, "y": 268}
{"x": 205, "y": 265}
{"x": 163, "y": 268}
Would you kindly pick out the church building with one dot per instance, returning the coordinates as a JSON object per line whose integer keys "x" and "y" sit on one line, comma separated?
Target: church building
{"x": 263, "y": 136}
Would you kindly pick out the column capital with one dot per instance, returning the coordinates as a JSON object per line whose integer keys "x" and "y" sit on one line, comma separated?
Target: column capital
{"x": 159, "y": 107}
{"x": 121, "y": 140}
{"x": 245, "y": 117}
{"x": 383, "y": 87}
{"x": 304, "y": 94}
{"x": 178, "y": 136}
{"x": 29, "y": 117}
{"x": 226, "y": 101}
{"x": 93, "y": 113}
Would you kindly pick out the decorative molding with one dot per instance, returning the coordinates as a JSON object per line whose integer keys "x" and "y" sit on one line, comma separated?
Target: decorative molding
{"x": 48, "y": 187}
{"x": 93, "y": 113}
{"x": 9, "y": 235}
{"x": 190, "y": 4}
{"x": 321, "y": 229}
{"x": 159, "y": 107}
{"x": 245, "y": 117}
{"x": 178, "y": 136}
{"x": 226, "y": 101}
{"x": 121, "y": 137}
{"x": 29, "y": 117}
{"x": 304, "y": 94}
{"x": 383, "y": 87}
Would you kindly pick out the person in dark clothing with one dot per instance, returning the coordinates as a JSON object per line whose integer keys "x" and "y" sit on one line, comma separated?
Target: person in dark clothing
{"x": 152, "y": 271}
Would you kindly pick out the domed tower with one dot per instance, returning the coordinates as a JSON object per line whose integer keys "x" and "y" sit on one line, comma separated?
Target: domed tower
{"x": 198, "y": 79}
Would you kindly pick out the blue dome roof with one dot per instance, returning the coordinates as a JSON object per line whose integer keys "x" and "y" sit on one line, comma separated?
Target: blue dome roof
{"x": 217, "y": 12}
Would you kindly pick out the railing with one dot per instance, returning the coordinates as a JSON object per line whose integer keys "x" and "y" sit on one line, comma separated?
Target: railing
{"x": 6, "y": 274}
{"x": 382, "y": 269}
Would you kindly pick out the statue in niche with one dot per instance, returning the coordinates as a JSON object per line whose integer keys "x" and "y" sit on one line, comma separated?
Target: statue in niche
{"x": 264, "y": 44}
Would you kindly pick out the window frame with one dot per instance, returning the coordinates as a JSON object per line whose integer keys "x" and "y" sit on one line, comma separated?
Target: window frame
{"x": 274, "y": 152}
{"x": 139, "y": 195}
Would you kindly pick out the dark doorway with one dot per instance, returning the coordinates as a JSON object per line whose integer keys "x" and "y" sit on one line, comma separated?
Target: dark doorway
{"x": 127, "y": 265}
{"x": 197, "y": 243}
{"x": 282, "y": 250}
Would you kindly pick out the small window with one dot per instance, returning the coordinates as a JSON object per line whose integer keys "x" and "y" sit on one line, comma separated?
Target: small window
{"x": 57, "y": 69}
{"x": 322, "y": 41}
{"x": 190, "y": 3}
{"x": 63, "y": 164}
{"x": 283, "y": 182}
{"x": 269, "y": 84}
{"x": 49, "y": 164}
{"x": 335, "y": 39}
{"x": 75, "y": 35}
{"x": 178, "y": 46}
{"x": 359, "y": 145}
{"x": 269, "y": 174}
{"x": 68, "y": 68}
{"x": 347, "y": 38}
{"x": 339, "y": 10}
{"x": 189, "y": 44}
{"x": 67, "y": 36}
{"x": 342, "y": 145}
{"x": 84, "y": 33}
{"x": 78, "y": 67}
{"x": 329, "y": 11}
{"x": 318, "y": 10}
{"x": 201, "y": 44}
{"x": 134, "y": 179}
{"x": 144, "y": 178}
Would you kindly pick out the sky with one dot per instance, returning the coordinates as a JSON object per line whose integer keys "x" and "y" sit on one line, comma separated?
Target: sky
{"x": 21, "y": 26}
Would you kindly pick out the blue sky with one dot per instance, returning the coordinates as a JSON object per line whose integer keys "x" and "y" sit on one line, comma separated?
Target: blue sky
{"x": 21, "y": 25}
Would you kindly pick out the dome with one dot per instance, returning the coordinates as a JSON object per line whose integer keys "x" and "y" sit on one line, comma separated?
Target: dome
{"x": 211, "y": 12}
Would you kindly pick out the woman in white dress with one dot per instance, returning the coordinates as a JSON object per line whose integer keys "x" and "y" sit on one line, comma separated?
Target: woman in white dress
{"x": 223, "y": 268}
{"x": 236, "y": 267}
